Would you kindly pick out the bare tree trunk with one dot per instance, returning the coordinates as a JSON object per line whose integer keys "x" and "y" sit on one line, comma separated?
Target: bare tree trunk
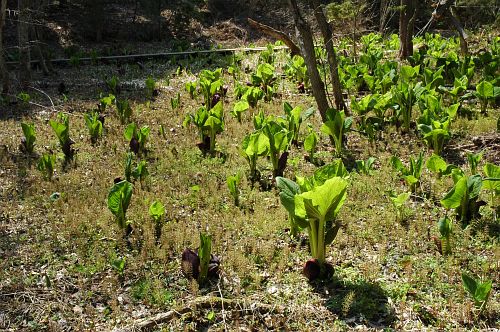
{"x": 327, "y": 33}
{"x": 23, "y": 42}
{"x": 406, "y": 19}
{"x": 461, "y": 32}
{"x": 4, "y": 75}
{"x": 306, "y": 45}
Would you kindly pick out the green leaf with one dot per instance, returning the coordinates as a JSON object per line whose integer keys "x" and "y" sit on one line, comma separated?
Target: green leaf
{"x": 258, "y": 144}
{"x": 445, "y": 227}
{"x": 119, "y": 199}
{"x": 453, "y": 198}
{"x": 288, "y": 189}
{"x": 483, "y": 291}
{"x": 61, "y": 130}
{"x": 307, "y": 114}
{"x": 241, "y": 106}
{"x": 398, "y": 165}
{"x": 334, "y": 169}
{"x": 29, "y": 135}
{"x": 331, "y": 234}
{"x": 156, "y": 211}
{"x": 204, "y": 252}
{"x": 408, "y": 72}
{"x": 474, "y": 184}
{"x": 130, "y": 131}
{"x": 492, "y": 180}
{"x": 436, "y": 164}
{"x": 400, "y": 200}
{"x": 213, "y": 124}
{"x": 310, "y": 142}
{"x": 232, "y": 184}
{"x": 485, "y": 90}
{"x": 287, "y": 107}
{"x": 325, "y": 201}
{"x": 410, "y": 179}
{"x": 469, "y": 283}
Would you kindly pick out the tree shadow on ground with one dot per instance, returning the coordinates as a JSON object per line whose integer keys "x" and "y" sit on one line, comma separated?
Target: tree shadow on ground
{"x": 358, "y": 302}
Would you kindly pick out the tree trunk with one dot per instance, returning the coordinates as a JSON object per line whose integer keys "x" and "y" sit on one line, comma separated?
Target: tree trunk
{"x": 383, "y": 13}
{"x": 23, "y": 42}
{"x": 406, "y": 20}
{"x": 326, "y": 31}
{"x": 4, "y": 75}
{"x": 461, "y": 32}
{"x": 306, "y": 45}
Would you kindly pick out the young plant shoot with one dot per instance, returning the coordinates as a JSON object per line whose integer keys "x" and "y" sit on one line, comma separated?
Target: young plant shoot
{"x": 28, "y": 141}
{"x": 478, "y": 290}
{"x": 157, "y": 212}
{"x": 233, "y": 182}
{"x": 61, "y": 129}
{"x": 319, "y": 208}
{"x": 288, "y": 189}
{"x": 118, "y": 201}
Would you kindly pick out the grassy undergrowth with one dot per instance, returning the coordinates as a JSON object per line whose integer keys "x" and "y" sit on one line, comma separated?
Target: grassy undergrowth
{"x": 60, "y": 248}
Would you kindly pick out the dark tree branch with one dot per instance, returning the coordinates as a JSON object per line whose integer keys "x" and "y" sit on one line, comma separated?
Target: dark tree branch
{"x": 272, "y": 32}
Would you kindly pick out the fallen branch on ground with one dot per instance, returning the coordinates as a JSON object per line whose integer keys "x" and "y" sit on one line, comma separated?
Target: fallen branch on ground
{"x": 145, "y": 324}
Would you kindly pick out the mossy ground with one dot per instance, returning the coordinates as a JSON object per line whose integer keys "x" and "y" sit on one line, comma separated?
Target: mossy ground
{"x": 56, "y": 255}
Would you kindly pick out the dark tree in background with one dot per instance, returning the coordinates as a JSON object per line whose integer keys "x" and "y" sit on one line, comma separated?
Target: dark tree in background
{"x": 4, "y": 75}
{"x": 24, "y": 42}
{"x": 326, "y": 31}
{"x": 407, "y": 16}
{"x": 306, "y": 43}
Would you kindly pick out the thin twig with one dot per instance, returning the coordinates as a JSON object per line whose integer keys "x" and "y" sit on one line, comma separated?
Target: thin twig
{"x": 46, "y": 94}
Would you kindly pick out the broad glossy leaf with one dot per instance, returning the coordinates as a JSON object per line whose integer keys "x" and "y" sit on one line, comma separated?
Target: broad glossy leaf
{"x": 311, "y": 141}
{"x": 281, "y": 141}
{"x": 258, "y": 144}
{"x": 398, "y": 165}
{"x": 454, "y": 197}
{"x": 334, "y": 169}
{"x": 436, "y": 164}
{"x": 409, "y": 72}
{"x": 156, "y": 210}
{"x": 241, "y": 106}
{"x": 119, "y": 200}
{"x": 400, "y": 200}
{"x": 287, "y": 107}
{"x": 331, "y": 234}
{"x": 492, "y": 180}
{"x": 308, "y": 113}
{"x": 288, "y": 189}
{"x": 145, "y": 131}
{"x": 61, "y": 130}
{"x": 410, "y": 179}
{"x": 29, "y": 133}
{"x": 326, "y": 200}
{"x": 130, "y": 131}
{"x": 483, "y": 291}
{"x": 474, "y": 184}
{"x": 485, "y": 90}
{"x": 213, "y": 123}
{"x": 469, "y": 283}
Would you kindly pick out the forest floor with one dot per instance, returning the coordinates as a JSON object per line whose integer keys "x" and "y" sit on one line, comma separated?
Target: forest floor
{"x": 59, "y": 243}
